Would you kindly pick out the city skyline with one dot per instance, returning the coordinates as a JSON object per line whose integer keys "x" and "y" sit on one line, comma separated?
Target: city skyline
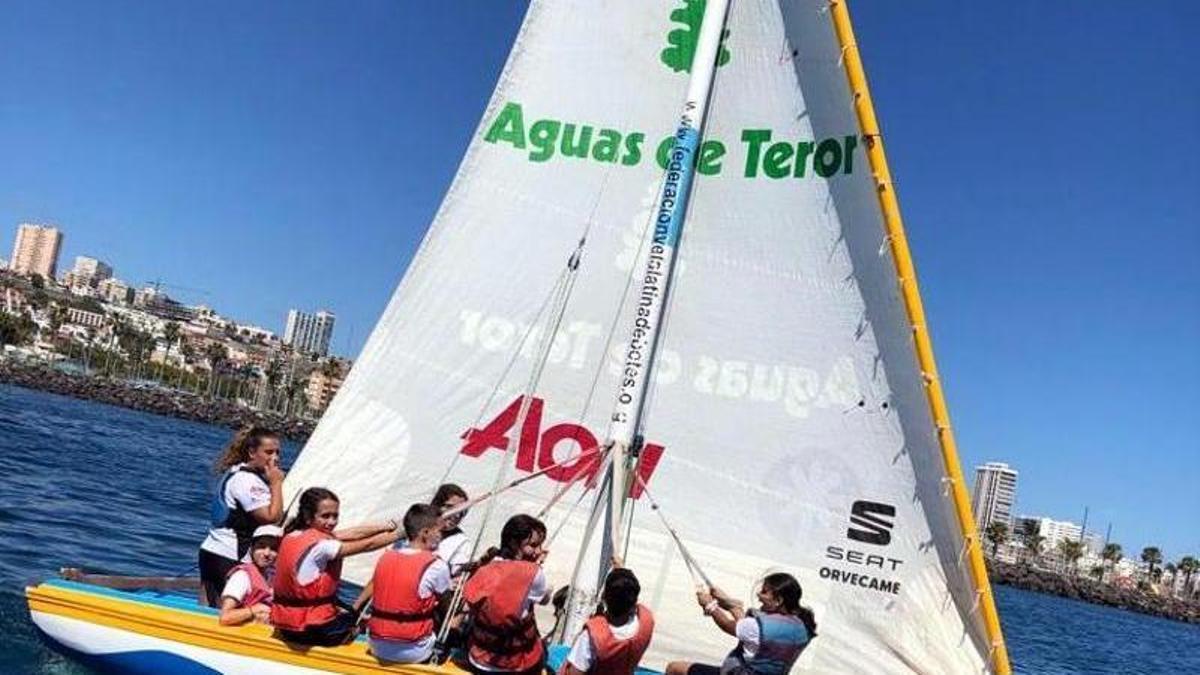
{"x": 1059, "y": 291}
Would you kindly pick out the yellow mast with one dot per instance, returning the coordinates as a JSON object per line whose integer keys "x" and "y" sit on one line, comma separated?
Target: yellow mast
{"x": 907, "y": 279}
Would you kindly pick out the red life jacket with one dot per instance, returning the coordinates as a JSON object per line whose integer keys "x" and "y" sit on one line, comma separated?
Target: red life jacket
{"x": 260, "y": 592}
{"x": 615, "y": 656}
{"x": 500, "y": 637}
{"x": 398, "y": 612}
{"x": 297, "y": 607}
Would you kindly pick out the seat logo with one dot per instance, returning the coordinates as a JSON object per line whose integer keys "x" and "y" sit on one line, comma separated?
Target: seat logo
{"x": 871, "y": 522}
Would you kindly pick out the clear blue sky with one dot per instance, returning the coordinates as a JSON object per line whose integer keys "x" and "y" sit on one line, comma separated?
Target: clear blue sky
{"x": 291, "y": 154}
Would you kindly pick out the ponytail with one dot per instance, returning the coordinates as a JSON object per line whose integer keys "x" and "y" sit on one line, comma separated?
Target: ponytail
{"x": 245, "y": 441}
{"x": 785, "y": 587}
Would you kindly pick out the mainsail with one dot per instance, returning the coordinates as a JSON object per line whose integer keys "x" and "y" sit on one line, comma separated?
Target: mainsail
{"x": 787, "y": 426}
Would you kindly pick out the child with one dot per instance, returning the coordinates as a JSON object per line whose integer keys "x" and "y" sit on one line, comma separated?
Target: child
{"x": 455, "y": 548}
{"x": 247, "y": 594}
{"x": 770, "y": 639}
{"x": 249, "y": 493}
{"x": 501, "y": 594}
{"x": 309, "y": 570}
{"x": 407, "y": 586}
{"x": 613, "y": 641}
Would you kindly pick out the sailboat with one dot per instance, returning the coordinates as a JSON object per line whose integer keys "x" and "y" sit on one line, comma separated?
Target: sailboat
{"x": 696, "y": 334}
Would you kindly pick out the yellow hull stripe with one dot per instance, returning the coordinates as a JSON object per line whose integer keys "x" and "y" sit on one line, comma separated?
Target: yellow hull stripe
{"x": 202, "y": 630}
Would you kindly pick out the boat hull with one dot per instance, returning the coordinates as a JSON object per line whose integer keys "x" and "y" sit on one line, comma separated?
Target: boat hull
{"x": 151, "y": 633}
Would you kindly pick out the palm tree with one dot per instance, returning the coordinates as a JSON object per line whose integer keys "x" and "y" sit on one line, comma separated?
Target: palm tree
{"x": 171, "y": 335}
{"x": 1097, "y": 571}
{"x": 1071, "y": 551}
{"x": 1152, "y": 555}
{"x": 1032, "y": 538}
{"x": 217, "y": 355}
{"x": 1111, "y": 554}
{"x": 1188, "y": 565}
{"x": 997, "y": 534}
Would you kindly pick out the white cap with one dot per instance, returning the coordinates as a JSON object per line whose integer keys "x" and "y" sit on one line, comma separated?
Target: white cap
{"x": 268, "y": 531}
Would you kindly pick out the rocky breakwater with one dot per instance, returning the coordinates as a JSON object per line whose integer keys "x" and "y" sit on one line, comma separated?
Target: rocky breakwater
{"x": 152, "y": 399}
{"x": 1090, "y": 590}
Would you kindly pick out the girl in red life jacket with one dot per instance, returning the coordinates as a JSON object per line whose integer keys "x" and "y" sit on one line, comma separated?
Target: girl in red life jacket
{"x": 248, "y": 493}
{"x": 500, "y": 596}
{"x": 614, "y": 640}
{"x": 770, "y": 639}
{"x": 407, "y": 587}
{"x": 248, "y": 593}
{"x": 309, "y": 569}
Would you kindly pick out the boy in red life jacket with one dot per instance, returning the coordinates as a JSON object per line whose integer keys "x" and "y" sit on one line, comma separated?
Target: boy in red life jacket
{"x": 614, "y": 640}
{"x": 406, "y": 589}
{"x": 247, "y": 594}
{"x": 501, "y": 594}
{"x": 309, "y": 569}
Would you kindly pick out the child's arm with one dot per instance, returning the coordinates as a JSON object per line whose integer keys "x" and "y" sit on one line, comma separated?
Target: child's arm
{"x": 363, "y": 531}
{"x": 233, "y": 615}
{"x": 386, "y": 537}
{"x": 365, "y": 596}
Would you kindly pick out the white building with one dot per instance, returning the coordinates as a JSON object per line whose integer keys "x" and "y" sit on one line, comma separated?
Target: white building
{"x": 91, "y": 271}
{"x": 1055, "y": 531}
{"x": 309, "y": 333}
{"x": 994, "y": 495}
{"x": 115, "y": 290}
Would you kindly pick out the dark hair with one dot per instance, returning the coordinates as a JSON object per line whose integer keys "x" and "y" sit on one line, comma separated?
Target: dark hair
{"x": 419, "y": 517}
{"x": 621, "y": 590}
{"x": 444, "y": 492}
{"x": 785, "y": 587}
{"x": 245, "y": 441}
{"x": 310, "y": 499}
{"x": 516, "y": 531}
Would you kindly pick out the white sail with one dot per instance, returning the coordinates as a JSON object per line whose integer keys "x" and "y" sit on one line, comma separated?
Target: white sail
{"x": 787, "y": 428}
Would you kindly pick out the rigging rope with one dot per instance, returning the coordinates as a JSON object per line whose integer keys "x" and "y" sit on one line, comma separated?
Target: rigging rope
{"x": 688, "y": 559}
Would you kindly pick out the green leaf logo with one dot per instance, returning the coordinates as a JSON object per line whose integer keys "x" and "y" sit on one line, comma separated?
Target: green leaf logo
{"x": 682, "y": 50}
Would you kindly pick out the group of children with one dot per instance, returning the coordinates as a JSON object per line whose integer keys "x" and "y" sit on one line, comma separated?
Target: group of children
{"x": 289, "y": 577}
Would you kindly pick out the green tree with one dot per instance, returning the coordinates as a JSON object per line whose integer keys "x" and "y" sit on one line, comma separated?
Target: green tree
{"x": 1152, "y": 555}
{"x": 1071, "y": 551}
{"x": 682, "y": 50}
{"x": 216, "y": 354}
{"x": 997, "y": 534}
{"x": 1187, "y": 566}
{"x": 1112, "y": 554}
{"x": 16, "y": 329}
{"x": 37, "y": 281}
{"x": 1097, "y": 572}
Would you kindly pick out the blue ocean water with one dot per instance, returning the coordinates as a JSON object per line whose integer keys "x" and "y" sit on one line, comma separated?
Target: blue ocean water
{"x": 126, "y": 492}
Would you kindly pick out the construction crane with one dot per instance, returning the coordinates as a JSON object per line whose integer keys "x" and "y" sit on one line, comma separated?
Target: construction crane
{"x": 159, "y": 284}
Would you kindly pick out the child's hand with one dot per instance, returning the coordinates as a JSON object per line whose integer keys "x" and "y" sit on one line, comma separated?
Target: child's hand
{"x": 274, "y": 473}
{"x": 262, "y": 613}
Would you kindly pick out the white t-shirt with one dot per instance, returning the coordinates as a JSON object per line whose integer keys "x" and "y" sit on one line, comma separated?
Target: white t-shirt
{"x": 583, "y": 652}
{"x": 435, "y": 581}
{"x": 537, "y": 592}
{"x": 456, "y": 551}
{"x": 237, "y": 586}
{"x": 746, "y": 631}
{"x": 316, "y": 560}
{"x": 243, "y": 489}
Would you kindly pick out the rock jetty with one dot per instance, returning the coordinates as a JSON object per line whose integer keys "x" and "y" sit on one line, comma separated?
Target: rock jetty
{"x": 1095, "y": 592}
{"x": 157, "y": 400}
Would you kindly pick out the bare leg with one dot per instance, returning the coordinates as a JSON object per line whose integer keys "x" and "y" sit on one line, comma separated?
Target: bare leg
{"x": 678, "y": 668}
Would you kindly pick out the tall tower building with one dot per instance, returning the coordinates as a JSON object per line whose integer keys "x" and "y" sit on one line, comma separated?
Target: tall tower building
{"x": 994, "y": 495}
{"x": 36, "y": 250}
{"x": 309, "y": 333}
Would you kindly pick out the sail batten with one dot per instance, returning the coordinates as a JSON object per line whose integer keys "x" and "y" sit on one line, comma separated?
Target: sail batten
{"x": 789, "y": 422}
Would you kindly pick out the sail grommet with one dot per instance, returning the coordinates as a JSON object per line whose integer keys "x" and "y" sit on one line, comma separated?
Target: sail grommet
{"x": 947, "y": 483}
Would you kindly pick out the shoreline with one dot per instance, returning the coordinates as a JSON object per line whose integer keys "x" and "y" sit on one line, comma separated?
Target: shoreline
{"x": 154, "y": 400}
{"x": 1093, "y": 592}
